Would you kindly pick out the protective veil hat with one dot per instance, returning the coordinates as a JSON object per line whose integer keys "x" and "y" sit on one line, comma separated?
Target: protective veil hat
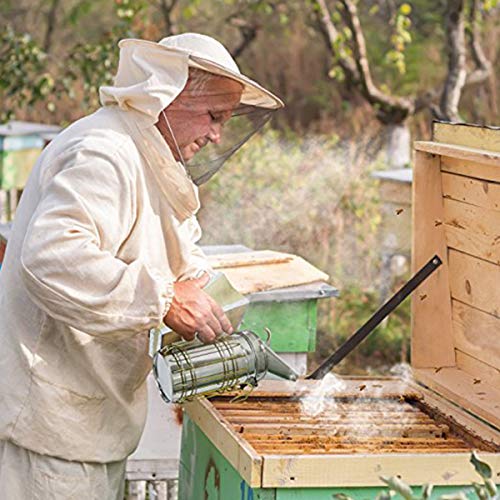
{"x": 152, "y": 75}
{"x": 208, "y": 54}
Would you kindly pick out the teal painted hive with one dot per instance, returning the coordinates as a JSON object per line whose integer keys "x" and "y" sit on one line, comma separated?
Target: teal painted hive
{"x": 20, "y": 146}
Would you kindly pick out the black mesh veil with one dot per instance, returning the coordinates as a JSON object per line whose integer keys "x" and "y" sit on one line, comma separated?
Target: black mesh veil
{"x": 242, "y": 125}
{"x": 206, "y": 123}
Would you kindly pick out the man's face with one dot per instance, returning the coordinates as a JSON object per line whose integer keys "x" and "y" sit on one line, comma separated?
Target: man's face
{"x": 196, "y": 117}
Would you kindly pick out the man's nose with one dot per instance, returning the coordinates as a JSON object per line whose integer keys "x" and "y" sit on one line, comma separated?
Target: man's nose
{"x": 215, "y": 133}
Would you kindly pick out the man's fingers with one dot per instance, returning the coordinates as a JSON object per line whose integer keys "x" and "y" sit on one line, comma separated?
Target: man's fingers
{"x": 225, "y": 324}
{"x": 188, "y": 335}
{"x": 207, "y": 334}
{"x": 214, "y": 323}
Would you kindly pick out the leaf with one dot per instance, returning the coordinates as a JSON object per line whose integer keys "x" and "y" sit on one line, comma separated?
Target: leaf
{"x": 491, "y": 487}
{"x": 482, "y": 468}
{"x": 384, "y": 495}
{"x": 459, "y": 495}
{"x": 399, "y": 486}
{"x": 405, "y": 9}
{"x": 427, "y": 491}
{"x": 480, "y": 491}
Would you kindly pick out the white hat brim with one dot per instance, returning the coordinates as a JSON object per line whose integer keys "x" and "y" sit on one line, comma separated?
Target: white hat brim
{"x": 253, "y": 93}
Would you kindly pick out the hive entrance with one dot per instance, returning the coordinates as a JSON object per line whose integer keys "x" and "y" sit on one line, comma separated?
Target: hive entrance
{"x": 277, "y": 425}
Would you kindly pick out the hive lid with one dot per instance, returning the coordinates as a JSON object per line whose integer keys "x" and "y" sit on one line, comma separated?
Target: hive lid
{"x": 20, "y": 135}
{"x": 257, "y": 271}
{"x": 456, "y": 312}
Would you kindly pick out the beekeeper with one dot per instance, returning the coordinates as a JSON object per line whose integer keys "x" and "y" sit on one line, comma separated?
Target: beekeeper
{"x": 103, "y": 249}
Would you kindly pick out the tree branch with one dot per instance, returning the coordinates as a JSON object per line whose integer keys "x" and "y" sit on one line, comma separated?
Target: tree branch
{"x": 248, "y": 33}
{"x": 51, "y": 23}
{"x": 483, "y": 66}
{"x": 166, "y": 8}
{"x": 391, "y": 109}
{"x": 330, "y": 35}
{"x": 457, "y": 72}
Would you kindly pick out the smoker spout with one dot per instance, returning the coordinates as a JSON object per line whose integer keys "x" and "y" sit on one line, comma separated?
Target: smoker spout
{"x": 278, "y": 366}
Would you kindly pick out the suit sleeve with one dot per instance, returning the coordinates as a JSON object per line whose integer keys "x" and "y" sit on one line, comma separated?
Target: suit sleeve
{"x": 198, "y": 262}
{"x": 68, "y": 259}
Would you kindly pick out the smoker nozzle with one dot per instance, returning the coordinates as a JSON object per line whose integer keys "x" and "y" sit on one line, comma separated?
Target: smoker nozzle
{"x": 278, "y": 366}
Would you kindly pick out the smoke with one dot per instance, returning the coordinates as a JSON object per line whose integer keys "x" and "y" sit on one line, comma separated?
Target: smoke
{"x": 321, "y": 399}
{"x": 366, "y": 415}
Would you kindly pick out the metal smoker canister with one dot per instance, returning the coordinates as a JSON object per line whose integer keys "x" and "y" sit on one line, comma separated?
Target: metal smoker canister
{"x": 184, "y": 370}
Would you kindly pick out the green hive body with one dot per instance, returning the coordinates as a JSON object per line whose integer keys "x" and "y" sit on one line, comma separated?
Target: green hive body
{"x": 204, "y": 473}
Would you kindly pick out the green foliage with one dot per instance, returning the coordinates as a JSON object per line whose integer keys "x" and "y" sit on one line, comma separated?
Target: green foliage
{"x": 489, "y": 488}
{"x": 95, "y": 64}
{"x": 396, "y": 485}
{"x": 297, "y": 194}
{"x": 489, "y": 5}
{"x": 79, "y": 10}
{"x": 29, "y": 76}
{"x": 24, "y": 79}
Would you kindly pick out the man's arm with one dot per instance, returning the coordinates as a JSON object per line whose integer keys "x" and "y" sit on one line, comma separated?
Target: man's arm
{"x": 193, "y": 310}
{"x": 68, "y": 257}
{"x": 197, "y": 263}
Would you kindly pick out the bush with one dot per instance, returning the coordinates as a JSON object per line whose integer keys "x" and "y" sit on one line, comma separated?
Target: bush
{"x": 312, "y": 196}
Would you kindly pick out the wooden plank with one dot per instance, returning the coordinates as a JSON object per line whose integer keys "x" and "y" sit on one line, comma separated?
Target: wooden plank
{"x": 475, "y": 282}
{"x": 236, "y": 450}
{"x": 378, "y": 387}
{"x": 481, "y": 371}
{"x": 365, "y": 470}
{"x": 471, "y": 190}
{"x": 458, "y": 386}
{"x": 468, "y": 422}
{"x": 461, "y": 152}
{"x": 473, "y": 230}
{"x": 261, "y": 257}
{"x": 431, "y": 303}
{"x": 267, "y": 431}
{"x": 477, "y": 170}
{"x": 257, "y": 277}
{"x": 476, "y": 333}
{"x": 464, "y": 134}
{"x": 483, "y": 246}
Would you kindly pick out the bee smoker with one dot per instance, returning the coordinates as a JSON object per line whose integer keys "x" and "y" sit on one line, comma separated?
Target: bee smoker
{"x": 186, "y": 369}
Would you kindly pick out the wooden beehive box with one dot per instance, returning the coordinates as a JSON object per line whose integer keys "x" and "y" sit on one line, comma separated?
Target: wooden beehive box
{"x": 422, "y": 430}
{"x": 456, "y": 314}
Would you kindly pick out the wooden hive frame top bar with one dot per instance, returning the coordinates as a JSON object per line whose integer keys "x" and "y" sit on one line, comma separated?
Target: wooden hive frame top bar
{"x": 266, "y": 439}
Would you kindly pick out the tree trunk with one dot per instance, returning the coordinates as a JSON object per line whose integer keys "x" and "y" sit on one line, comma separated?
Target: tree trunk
{"x": 51, "y": 24}
{"x": 398, "y": 146}
{"x": 457, "y": 72}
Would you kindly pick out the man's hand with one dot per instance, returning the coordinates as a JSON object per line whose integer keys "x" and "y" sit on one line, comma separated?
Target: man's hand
{"x": 194, "y": 311}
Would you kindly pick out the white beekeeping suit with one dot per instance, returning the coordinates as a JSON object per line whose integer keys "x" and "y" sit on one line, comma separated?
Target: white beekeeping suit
{"x": 105, "y": 226}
